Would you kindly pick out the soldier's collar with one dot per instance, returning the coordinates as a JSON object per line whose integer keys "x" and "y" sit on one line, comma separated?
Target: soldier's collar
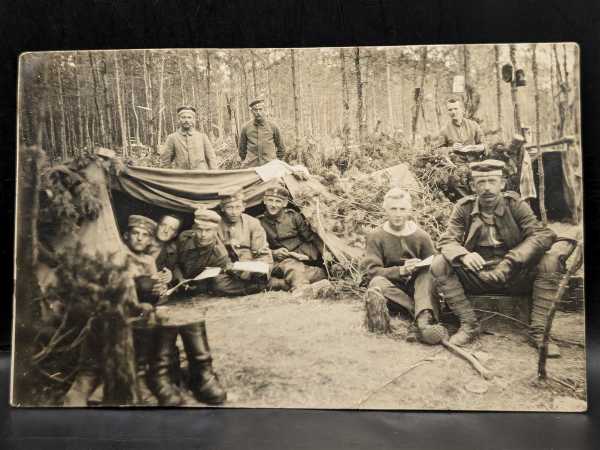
{"x": 498, "y": 211}
{"x": 409, "y": 228}
{"x": 185, "y": 133}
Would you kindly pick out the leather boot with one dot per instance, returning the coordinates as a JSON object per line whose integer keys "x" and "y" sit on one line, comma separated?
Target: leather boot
{"x": 277, "y": 284}
{"x": 453, "y": 293}
{"x": 544, "y": 292}
{"x": 143, "y": 343}
{"x": 161, "y": 367}
{"x": 204, "y": 383}
{"x": 89, "y": 375}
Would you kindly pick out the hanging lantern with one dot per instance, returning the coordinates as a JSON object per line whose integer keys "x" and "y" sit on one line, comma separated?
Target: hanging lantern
{"x": 520, "y": 78}
{"x": 507, "y": 73}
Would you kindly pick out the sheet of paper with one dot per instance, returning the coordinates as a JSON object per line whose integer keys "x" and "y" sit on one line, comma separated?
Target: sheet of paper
{"x": 251, "y": 266}
{"x": 209, "y": 272}
{"x": 426, "y": 262}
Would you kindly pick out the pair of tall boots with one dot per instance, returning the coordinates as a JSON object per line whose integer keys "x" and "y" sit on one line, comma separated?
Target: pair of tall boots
{"x": 164, "y": 374}
{"x": 543, "y": 297}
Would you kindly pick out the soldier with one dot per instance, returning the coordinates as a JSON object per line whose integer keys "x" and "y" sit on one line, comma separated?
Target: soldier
{"x": 260, "y": 139}
{"x": 392, "y": 252}
{"x": 188, "y": 148}
{"x": 166, "y": 251}
{"x": 495, "y": 244}
{"x": 194, "y": 253}
{"x": 245, "y": 240}
{"x": 292, "y": 243}
{"x": 139, "y": 237}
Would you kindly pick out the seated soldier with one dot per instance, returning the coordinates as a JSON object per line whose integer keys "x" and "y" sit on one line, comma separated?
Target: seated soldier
{"x": 191, "y": 257}
{"x": 139, "y": 237}
{"x": 495, "y": 245}
{"x": 166, "y": 251}
{"x": 292, "y": 243}
{"x": 392, "y": 252}
{"x": 245, "y": 240}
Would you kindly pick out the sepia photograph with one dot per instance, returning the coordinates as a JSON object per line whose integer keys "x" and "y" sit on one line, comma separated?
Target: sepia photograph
{"x": 360, "y": 228}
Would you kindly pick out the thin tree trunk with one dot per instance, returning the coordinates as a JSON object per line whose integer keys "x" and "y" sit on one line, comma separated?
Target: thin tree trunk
{"x": 360, "y": 115}
{"x": 107, "y": 106}
{"x": 181, "y": 83}
{"x": 150, "y": 126}
{"x": 542, "y": 185}
{"x": 208, "y": 95}
{"x": 514, "y": 92}
{"x": 61, "y": 107}
{"x": 102, "y": 139}
{"x": 160, "y": 101}
{"x": 498, "y": 90}
{"x": 575, "y": 102}
{"x": 562, "y": 95}
{"x": 438, "y": 113}
{"x": 388, "y": 86}
{"x": 345, "y": 103}
{"x": 135, "y": 114}
{"x": 296, "y": 98}
{"x": 419, "y": 94}
{"x": 254, "y": 87}
{"x": 124, "y": 143}
{"x": 81, "y": 140}
{"x": 52, "y": 132}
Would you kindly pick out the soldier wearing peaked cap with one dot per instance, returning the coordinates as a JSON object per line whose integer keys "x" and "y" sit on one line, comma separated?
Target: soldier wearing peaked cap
{"x": 260, "y": 140}
{"x": 290, "y": 238}
{"x": 494, "y": 244}
{"x": 188, "y": 148}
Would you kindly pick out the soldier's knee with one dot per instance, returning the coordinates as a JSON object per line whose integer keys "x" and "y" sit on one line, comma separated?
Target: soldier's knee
{"x": 379, "y": 282}
{"x": 550, "y": 263}
{"x": 440, "y": 266}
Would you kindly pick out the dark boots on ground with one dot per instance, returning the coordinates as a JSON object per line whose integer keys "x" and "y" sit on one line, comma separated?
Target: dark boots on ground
{"x": 204, "y": 382}
{"x": 165, "y": 359}
{"x": 454, "y": 294}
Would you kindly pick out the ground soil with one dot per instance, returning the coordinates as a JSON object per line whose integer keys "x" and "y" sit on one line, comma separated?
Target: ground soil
{"x": 274, "y": 350}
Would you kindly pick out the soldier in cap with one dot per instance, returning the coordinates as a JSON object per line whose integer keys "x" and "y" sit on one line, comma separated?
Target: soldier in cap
{"x": 392, "y": 253}
{"x": 260, "y": 140}
{"x": 197, "y": 249}
{"x": 494, "y": 244}
{"x": 293, "y": 244}
{"x": 188, "y": 148}
{"x": 245, "y": 240}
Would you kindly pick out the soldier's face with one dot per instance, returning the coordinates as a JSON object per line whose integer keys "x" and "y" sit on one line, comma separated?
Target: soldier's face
{"x": 488, "y": 187}
{"x": 258, "y": 111}
{"x": 274, "y": 205}
{"x": 167, "y": 228}
{"x": 233, "y": 211}
{"x": 186, "y": 119}
{"x": 139, "y": 239}
{"x": 455, "y": 111}
{"x": 398, "y": 212}
{"x": 206, "y": 234}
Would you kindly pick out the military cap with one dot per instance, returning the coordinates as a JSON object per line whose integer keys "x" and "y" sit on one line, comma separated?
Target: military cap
{"x": 398, "y": 194}
{"x": 489, "y": 167}
{"x": 255, "y": 102}
{"x": 231, "y": 194}
{"x": 142, "y": 222}
{"x": 186, "y": 108}
{"x": 277, "y": 191}
{"x": 206, "y": 216}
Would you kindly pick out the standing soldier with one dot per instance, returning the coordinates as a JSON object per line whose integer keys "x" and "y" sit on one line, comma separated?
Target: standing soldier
{"x": 260, "y": 140}
{"x": 392, "y": 252}
{"x": 292, "y": 243}
{"x": 495, "y": 245}
{"x": 188, "y": 148}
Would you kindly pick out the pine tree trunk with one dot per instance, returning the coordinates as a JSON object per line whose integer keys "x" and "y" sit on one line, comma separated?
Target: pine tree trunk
{"x": 575, "y": 102}
{"x": 254, "y": 87}
{"x": 161, "y": 107}
{"x": 514, "y": 92}
{"x": 296, "y": 98}
{"x": 419, "y": 94}
{"x": 102, "y": 139}
{"x": 540, "y": 158}
{"x": 208, "y": 95}
{"x": 81, "y": 139}
{"x": 135, "y": 114}
{"x": 111, "y": 126}
{"x": 345, "y": 103}
{"x": 388, "y": 86}
{"x": 150, "y": 125}
{"x": 498, "y": 90}
{"x": 181, "y": 82}
{"x": 52, "y": 132}
{"x": 562, "y": 95}
{"x": 360, "y": 113}
{"x": 124, "y": 143}
{"x": 61, "y": 107}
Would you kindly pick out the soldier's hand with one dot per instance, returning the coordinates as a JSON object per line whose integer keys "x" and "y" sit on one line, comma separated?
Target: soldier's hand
{"x": 280, "y": 254}
{"x": 473, "y": 261}
{"x": 500, "y": 274}
{"x": 164, "y": 276}
{"x": 245, "y": 275}
{"x": 410, "y": 265}
{"x": 457, "y": 146}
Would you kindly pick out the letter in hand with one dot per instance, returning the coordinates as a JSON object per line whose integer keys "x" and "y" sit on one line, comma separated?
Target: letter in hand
{"x": 473, "y": 261}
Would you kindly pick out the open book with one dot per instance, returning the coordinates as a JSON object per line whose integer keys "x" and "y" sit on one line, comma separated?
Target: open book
{"x": 209, "y": 272}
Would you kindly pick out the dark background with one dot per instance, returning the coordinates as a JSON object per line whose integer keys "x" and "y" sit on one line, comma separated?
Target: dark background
{"x": 28, "y": 25}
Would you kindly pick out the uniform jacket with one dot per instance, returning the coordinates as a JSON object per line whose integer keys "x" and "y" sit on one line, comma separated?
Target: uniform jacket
{"x": 189, "y": 150}
{"x": 260, "y": 142}
{"x": 247, "y": 239}
{"x": 291, "y": 231}
{"x": 526, "y": 238}
{"x": 193, "y": 259}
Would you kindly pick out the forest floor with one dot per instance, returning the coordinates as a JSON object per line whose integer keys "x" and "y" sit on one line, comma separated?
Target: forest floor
{"x": 274, "y": 350}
